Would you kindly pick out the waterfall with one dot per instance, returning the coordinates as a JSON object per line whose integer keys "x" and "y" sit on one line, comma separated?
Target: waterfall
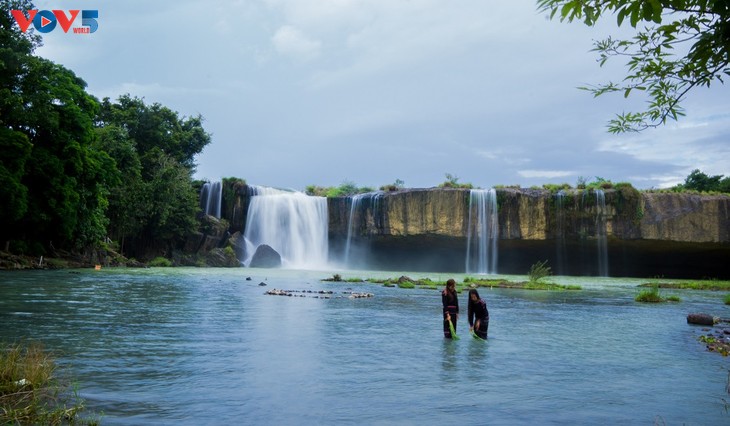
{"x": 292, "y": 223}
{"x": 482, "y": 232}
{"x": 210, "y": 198}
{"x": 560, "y": 231}
{"x": 359, "y": 204}
{"x": 601, "y": 240}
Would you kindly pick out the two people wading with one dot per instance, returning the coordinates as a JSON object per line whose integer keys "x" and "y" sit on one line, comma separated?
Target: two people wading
{"x": 477, "y": 311}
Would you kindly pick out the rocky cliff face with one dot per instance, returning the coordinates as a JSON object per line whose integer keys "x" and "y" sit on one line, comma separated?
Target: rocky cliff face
{"x": 643, "y": 234}
{"x": 620, "y": 232}
{"x": 686, "y": 218}
{"x": 527, "y": 214}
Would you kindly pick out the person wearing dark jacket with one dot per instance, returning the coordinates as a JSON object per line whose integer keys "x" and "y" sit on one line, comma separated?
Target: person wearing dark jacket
{"x": 450, "y": 303}
{"x": 478, "y": 314}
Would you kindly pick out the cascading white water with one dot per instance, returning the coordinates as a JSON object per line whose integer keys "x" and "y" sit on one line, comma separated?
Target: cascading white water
{"x": 354, "y": 207}
{"x": 210, "y": 198}
{"x": 601, "y": 240}
{"x": 358, "y": 203}
{"x": 292, "y": 223}
{"x": 482, "y": 232}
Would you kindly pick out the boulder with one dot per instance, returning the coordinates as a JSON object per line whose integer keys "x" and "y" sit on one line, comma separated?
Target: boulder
{"x": 265, "y": 257}
{"x": 700, "y": 319}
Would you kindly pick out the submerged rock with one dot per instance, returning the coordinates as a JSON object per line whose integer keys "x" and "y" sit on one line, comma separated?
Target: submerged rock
{"x": 700, "y": 319}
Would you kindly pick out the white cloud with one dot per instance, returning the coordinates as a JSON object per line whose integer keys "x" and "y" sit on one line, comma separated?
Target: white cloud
{"x": 290, "y": 41}
{"x": 545, "y": 174}
{"x": 413, "y": 88}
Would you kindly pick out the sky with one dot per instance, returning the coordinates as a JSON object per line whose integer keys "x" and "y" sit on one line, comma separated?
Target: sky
{"x": 326, "y": 92}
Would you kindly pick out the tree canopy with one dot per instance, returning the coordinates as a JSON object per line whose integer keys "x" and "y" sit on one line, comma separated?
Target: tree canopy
{"x": 154, "y": 149}
{"x": 74, "y": 170}
{"x": 679, "y": 45}
{"x": 701, "y": 182}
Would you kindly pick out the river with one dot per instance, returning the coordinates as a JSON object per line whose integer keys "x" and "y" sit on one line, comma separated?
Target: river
{"x": 208, "y": 346}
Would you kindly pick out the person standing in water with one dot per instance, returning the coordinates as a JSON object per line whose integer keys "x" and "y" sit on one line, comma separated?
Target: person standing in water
{"x": 478, "y": 314}
{"x": 450, "y": 303}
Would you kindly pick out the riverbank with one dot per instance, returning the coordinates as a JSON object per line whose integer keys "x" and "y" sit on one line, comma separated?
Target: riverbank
{"x": 10, "y": 261}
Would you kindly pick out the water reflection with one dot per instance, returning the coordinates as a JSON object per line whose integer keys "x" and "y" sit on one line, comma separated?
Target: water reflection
{"x": 192, "y": 346}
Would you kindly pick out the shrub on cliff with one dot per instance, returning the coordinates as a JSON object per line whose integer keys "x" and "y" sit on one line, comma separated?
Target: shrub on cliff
{"x": 452, "y": 181}
{"x": 345, "y": 189}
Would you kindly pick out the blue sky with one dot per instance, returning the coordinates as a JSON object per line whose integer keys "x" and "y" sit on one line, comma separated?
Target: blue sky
{"x": 302, "y": 92}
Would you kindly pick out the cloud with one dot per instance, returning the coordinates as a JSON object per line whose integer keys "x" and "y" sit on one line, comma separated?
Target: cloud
{"x": 292, "y": 42}
{"x": 546, "y": 174}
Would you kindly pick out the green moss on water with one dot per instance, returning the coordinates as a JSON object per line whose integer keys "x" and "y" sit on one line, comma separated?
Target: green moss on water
{"x": 713, "y": 285}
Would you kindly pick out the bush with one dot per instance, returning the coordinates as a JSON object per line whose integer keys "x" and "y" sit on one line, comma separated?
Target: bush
{"x": 553, "y": 187}
{"x": 30, "y": 391}
{"x": 538, "y": 271}
{"x": 452, "y": 181}
{"x": 650, "y": 295}
{"x": 160, "y": 262}
{"x": 392, "y": 187}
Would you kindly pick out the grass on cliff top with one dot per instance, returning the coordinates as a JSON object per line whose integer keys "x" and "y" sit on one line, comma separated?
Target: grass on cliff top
{"x": 714, "y": 285}
{"x": 469, "y": 282}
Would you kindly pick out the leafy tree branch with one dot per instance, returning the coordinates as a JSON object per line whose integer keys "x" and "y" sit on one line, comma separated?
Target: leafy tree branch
{"x": 683, "y": 44}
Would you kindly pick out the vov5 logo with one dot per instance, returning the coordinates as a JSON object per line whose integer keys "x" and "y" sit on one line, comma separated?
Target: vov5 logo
{"x": 46, "y": 21}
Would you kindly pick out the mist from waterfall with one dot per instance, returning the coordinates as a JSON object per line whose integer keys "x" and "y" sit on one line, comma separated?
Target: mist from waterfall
{"x": 210, "y": 198}
{"x": 482, "y": 232}
{"x": 292, "y": 223}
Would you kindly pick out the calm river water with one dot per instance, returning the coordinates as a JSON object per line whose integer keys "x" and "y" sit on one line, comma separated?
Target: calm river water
{"x": 207, "y": 346}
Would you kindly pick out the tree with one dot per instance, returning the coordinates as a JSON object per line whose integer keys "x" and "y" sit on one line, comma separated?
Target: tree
{"x": 154, "y": 151}
{"x": 679, "y": 45}
{"x": 698, "y": 181}
{"x": 16, "y": 149}
{"x": 156, "y": 129}
{"x": 56, "y": 191}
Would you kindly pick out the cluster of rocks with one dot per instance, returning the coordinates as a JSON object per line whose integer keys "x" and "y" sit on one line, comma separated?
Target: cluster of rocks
{"x": 717, "y": 338}
{"x": 317, "y": 294}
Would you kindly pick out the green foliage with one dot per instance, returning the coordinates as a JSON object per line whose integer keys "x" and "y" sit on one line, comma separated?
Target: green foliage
{"x": 552, "y": 187}
{"x": 16, "y": 149}
{"x": 701, "y": 182}
{"x": 652, "y": 295}
{"x": 346, "y": 189}
{"x": 528, "y": 285}
{"x": 599, "y": 183}
{"x": 392, "y": 187}
{"x": 726, "y": 299}
{"x": 712, "y": 285}
{"x": 31, "y": 392}
{"x": 452, "y": 181}
{"x": 160, "y": 262}
{"x": 155, "y": 129}
{"x": 64, "y": 175}
{"x": 665, "y": 60}
{"x": 539, "y": 271}
{"x": 153, "y": 149}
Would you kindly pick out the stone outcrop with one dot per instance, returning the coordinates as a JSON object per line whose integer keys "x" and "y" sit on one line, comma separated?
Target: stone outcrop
{"x": 265, "y": 257}
{"x": 686, "y": 217}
